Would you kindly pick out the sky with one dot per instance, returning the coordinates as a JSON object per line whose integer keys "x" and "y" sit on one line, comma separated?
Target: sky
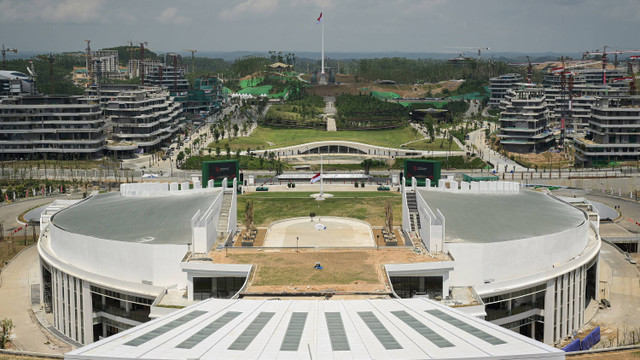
{"x": 443, "y": 26}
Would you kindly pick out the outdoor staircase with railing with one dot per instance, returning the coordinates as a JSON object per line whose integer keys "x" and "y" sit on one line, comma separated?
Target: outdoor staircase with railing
{"x": 414, "y": 217}
{"x": 223, "y": 221}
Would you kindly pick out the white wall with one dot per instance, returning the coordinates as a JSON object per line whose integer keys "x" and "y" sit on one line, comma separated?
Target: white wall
{"x": 204, "y": 230}
{"x": 126, "y": 261}
{"x": 505, "y": 260}
{"x": 406, "y": 221}
{"x": 432, "y": 226}
{"x": 233, "y": 210}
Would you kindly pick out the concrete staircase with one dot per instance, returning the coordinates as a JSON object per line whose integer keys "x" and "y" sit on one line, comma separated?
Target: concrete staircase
{"x": 223, "y": 221}
{"x": 414, "y": 217}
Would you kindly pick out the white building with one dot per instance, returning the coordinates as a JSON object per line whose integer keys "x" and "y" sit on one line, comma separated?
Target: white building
{"x": 15, "y": 83}
{"x": 531, "y": 257}
{"x": 523, "y": 260}
{"x": 108, "y": 260}
{"x": 316, "y": 329}
{"x": 499, "y": 85}
{"x": 142, "y": 119}
{"x": 57, "y": 126}
{"x": 524, "y": 120}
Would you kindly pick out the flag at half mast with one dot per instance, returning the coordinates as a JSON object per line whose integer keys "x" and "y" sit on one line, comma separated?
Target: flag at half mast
{"x": 316, "y": 177}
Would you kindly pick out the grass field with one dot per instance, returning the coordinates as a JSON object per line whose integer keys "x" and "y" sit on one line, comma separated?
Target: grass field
{"x": 432, "y": 146}
{"x": 277, "y": 269}
{"x": 266, "y": 138}
{"x": 367, "y": 206}
{"x": 257, "y": 90}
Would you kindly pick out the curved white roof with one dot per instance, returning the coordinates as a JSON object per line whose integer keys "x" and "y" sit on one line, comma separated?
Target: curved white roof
{"x": 317, "y": 329}
{"x": 486, "y": 217}
{"x": 10, "y": 75}
{"x": 155, "y": 219}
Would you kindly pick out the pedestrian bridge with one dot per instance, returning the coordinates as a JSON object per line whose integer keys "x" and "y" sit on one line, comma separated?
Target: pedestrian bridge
{"x": 336, "y": 147}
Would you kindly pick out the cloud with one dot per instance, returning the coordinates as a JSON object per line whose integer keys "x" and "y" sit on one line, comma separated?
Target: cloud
{"x": 56, "y": 11}
{"x": 170, "y": 16}
{"x": 320, "y": 4}
{"x": 249, "y": 7}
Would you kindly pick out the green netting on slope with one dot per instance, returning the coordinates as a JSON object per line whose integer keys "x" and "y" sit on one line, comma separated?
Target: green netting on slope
{"x": 226, "y": 90}
{"x": 469, "y": 96}
{"x": 385, "y": 95}
{"x": 436, "y": 104}
{"x": 250, "y": 82}
{"x": 279, "y": 95}
{"x": 257, "y": 90}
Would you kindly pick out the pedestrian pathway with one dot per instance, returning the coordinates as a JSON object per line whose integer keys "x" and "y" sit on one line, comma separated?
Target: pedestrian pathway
{"x": 15, "y": 304}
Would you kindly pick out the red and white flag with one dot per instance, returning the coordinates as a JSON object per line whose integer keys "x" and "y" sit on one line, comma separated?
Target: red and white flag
{"x": 316, "y": 177}
{"x": 319, "y": 18}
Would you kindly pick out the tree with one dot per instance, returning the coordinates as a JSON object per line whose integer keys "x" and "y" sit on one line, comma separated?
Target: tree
{"x": 366, "y": 164}
{"x": 216, "y": 134}
{"x": 217, "y": 152}
{"x": 388, "y": 214}
{"x": 248, "y": 215}
{"x": 278, "y": 167}
{"x": 6, "y": 326}
{"x": 235, "y": 130}
{"x": 428, "y": 123}
{"x": 180, "y": 156}
{"x": 227, "y": 149}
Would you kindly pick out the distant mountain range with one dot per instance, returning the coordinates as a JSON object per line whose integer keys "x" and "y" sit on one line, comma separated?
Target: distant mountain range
{"x": 517, "y": 57}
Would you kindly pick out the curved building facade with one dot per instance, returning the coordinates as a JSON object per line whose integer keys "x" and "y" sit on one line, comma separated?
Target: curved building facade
{"x": 107, "y": 260}
{"x": 530, "y": 257}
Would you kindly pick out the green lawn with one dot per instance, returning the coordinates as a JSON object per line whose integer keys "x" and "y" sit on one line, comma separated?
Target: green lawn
{"x": 266, "y": 138}
{"x": 367, "y": 206}
{"x": 432, "y": 146}
{"x": 293, "y": 268}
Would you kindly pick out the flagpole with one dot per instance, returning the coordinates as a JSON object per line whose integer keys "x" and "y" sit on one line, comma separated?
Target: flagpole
{"x": 322, "y": 55}
{"x": 321, "y": 176}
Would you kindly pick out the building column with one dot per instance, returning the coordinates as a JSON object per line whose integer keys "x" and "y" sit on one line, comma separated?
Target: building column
{"x": 87, "y": 308}
{"x": 549, "y": 313}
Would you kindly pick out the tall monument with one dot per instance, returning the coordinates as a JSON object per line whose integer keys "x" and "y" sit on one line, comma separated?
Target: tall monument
{"x": 322, "y": 79}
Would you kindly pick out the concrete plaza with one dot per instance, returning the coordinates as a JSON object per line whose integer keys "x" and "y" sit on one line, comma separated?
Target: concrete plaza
{"x": 321, "y": 232}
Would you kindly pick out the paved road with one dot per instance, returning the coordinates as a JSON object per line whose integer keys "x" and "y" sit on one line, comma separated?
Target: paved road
{"x": 622, "y": 277}
{"x": 9, "y": 213}
{"x": 624, "y": 293}
{"x": 630, "y": 209}
{"x": 478, "y": 139}
{"x": 15, "y": 290}
{"x": 15, "y": 304}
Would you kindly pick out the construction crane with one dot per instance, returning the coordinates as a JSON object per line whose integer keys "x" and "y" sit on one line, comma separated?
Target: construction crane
{"x": 193, "y": 64}
{"x": 574, "y": 66}
{"x": 142, "y": 45}
{"x": 4, "y": 55}
{"x": 89, "y": 61}
{"x": 603, "y": 56}
{"x": 50, "y": 59}
{"x": 529, "y": 70}
{"x": 477, "y": 48}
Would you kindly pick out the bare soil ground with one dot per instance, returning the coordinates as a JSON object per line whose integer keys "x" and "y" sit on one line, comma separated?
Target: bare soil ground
{"x": 349, "y": 86}
{"x": 259, "y": 241}
{"x": 377, "y": 234}
{"x": 344, "y": 270}
{"x": 544, "y": 159}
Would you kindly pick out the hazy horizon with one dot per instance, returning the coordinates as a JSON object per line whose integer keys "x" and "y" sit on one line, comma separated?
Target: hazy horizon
{"x": 374, "y": 26}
